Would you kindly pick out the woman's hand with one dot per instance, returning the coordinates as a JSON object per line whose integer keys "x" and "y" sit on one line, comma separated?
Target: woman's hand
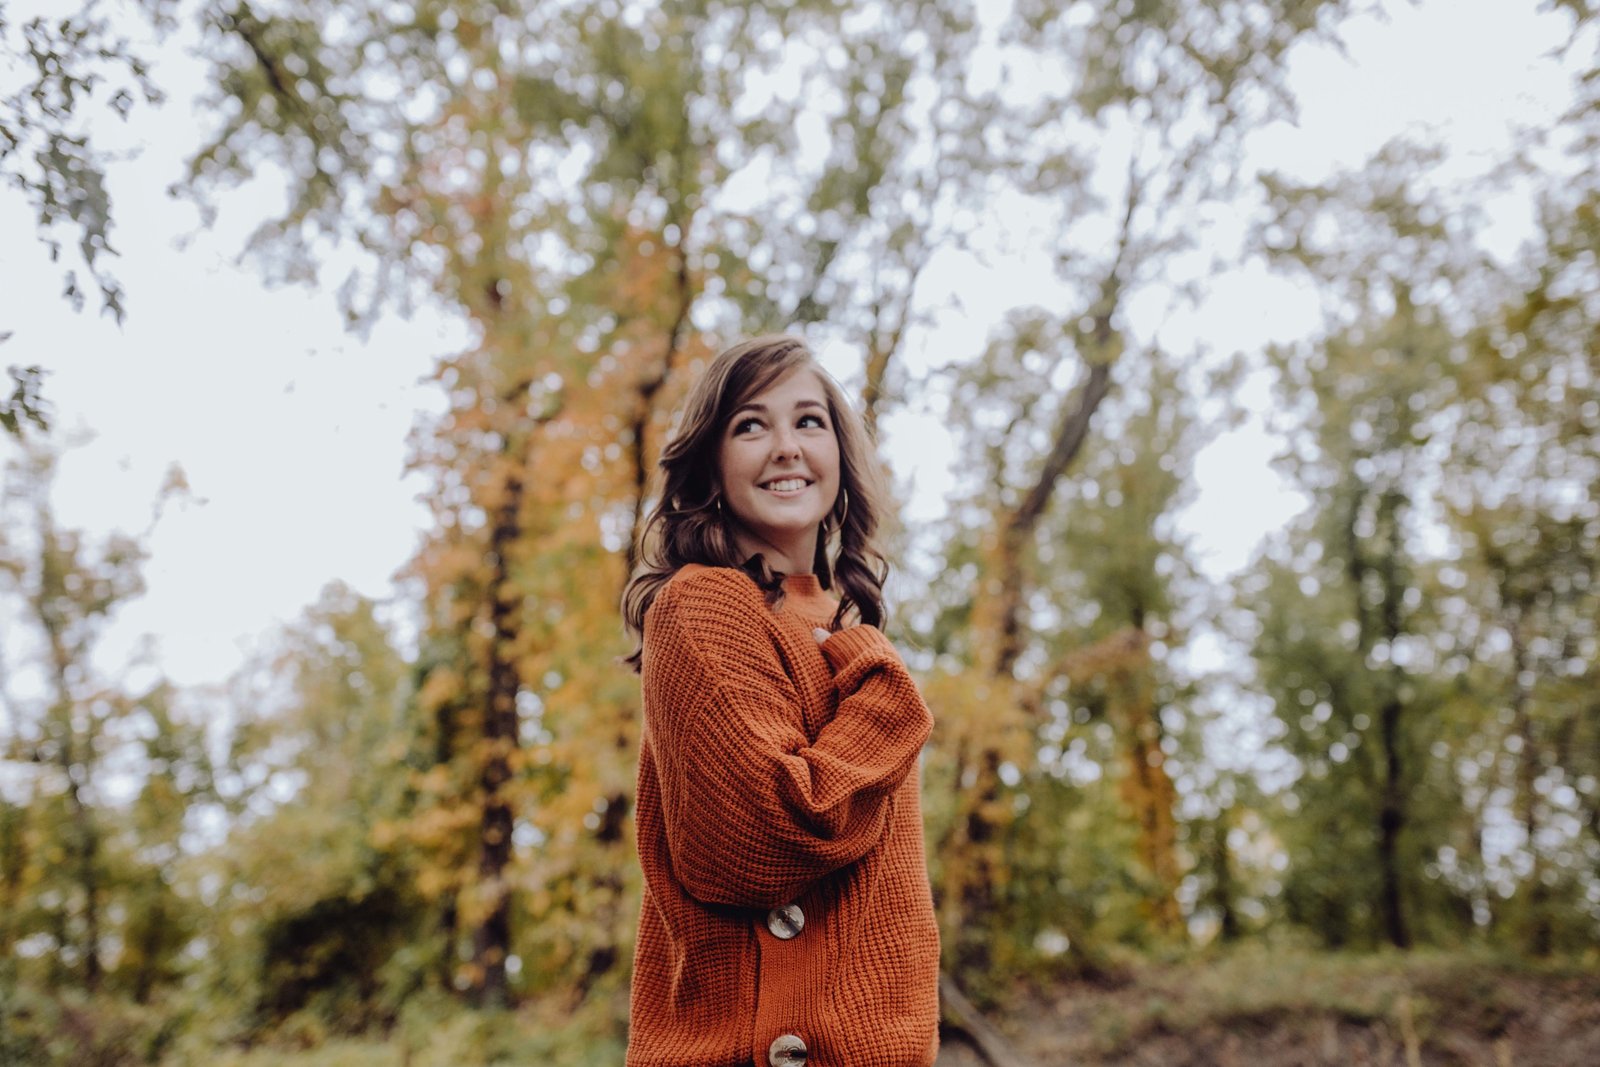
{"x": 820, "y": 634}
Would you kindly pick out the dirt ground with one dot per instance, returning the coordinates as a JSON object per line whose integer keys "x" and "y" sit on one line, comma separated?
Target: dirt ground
{"x": 1372, "y": 1013}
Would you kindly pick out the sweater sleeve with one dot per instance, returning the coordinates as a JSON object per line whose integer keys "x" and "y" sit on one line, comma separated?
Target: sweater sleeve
{"x": 753, "y": 810}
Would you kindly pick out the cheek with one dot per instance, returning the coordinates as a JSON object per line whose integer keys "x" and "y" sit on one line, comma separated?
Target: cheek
{"x": 734, "y": 465}
{"x": 727, "y": 459}
{"x": 831, "y": 460}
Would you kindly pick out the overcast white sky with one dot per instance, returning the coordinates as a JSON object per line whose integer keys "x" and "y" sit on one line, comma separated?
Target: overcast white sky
{"x": 292, "y": 432}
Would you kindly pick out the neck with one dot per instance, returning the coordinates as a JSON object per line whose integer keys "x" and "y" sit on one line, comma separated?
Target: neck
{"x": 797, "y": 557}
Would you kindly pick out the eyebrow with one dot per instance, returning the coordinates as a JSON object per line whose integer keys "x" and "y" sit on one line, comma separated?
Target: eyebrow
{"x": 763, "y": 408}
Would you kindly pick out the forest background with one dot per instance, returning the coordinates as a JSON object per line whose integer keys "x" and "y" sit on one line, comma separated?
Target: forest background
{"x": 1337, "y": 800}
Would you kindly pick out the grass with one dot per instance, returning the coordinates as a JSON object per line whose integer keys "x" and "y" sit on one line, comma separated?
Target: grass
{"x": 337, "y": 1053}
{"x": 440, "y": 1033}
{"x": 1256, "y": 1006}
{"x": 1413, "y": 1000}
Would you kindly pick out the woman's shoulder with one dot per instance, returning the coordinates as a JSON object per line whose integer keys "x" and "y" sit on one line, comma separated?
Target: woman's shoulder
{"x": 696, "y": 584}
{"x": 713, "y": 610}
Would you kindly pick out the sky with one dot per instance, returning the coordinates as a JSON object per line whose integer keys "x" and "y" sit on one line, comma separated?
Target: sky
{"x": 291, "y": 431}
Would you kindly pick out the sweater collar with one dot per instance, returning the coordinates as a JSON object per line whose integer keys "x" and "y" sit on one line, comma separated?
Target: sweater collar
{"x": 802, "y": 585}
{"x": 803, "y": 593}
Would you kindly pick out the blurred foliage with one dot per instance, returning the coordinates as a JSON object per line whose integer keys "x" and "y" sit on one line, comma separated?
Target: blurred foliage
{"x": 414, "y": 843}
{"x": 63, "y": 69}
{"x": 73, "y": 65}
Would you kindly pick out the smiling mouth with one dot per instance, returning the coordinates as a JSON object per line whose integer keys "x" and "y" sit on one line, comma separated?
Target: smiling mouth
{"x": 786, "y": 486}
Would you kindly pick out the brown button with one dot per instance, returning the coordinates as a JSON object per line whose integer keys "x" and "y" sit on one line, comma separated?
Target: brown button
{"x": 786, "y": 922}
{"x": 787, "y": 1051}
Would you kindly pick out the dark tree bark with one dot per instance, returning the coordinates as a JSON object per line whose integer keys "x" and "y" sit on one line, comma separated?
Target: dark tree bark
{"x": 1391, "y": 821}
{"x": 491, "y": 939}
{"x": 646, "y": 405}
{"x": 1224, "y": 894}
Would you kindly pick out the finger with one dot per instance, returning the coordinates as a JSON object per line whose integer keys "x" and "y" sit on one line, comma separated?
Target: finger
{"x": 820, "y": 633}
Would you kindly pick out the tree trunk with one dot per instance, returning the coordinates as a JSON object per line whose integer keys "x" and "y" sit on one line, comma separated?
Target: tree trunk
{"x": 1540, "y": 937}
{"x": 1392, "y": 813}
{"x": 76, "y": 770}
{"x": 491, "y": 941}
{"x": 981, "y": 827}
{"x": 1391, "y": 821}
{"x": 981, "y": 800}
{"x": 1151, "y": 795}
{"x": 1019, "y": 526}
{"x": 1224, "y": 892}
{"x": 877, "y": 371}
{"x": 645, "y": 408}
{"x": 999, "y": 623}
{"x": 13, "y": 859}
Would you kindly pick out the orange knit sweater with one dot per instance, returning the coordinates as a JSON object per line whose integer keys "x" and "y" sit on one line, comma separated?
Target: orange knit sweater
{"x": 777, "y": 790}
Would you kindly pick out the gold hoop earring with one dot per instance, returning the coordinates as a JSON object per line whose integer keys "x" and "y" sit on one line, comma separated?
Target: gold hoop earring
{"x": 844, "y": 513}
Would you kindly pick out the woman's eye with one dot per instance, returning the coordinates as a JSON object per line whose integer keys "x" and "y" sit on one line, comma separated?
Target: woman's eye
{"x": 816, "y": 420}
{"x": 744, "y": 424}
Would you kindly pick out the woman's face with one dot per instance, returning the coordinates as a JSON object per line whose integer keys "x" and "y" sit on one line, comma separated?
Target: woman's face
{"x": 779, "y": 467}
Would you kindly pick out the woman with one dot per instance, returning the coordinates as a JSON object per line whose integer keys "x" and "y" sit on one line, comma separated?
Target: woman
{"x": 786, "y": 917}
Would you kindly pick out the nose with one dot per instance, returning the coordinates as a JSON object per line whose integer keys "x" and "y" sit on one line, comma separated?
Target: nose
{"x": 785, "y": 443}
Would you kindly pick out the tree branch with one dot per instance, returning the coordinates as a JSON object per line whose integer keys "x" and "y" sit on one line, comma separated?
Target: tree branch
{"x": 958, "y": 1014}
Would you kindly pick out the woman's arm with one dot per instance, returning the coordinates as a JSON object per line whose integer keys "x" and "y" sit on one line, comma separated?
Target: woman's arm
{"x": 754, "y": 810}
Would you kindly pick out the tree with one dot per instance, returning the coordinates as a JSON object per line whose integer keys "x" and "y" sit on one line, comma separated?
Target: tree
{"x": 1521, "y": 498}
{"x": 86, "y": 876}
{"x": 572, "y": 202}
{"x": 1169, "y": 89}
{"x": 1344, "y": 634}
{"x": 319, "y": 910}
{"x": 1451, "y": 465}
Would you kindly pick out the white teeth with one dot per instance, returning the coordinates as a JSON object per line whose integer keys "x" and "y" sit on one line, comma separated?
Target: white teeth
{"x": 787, "y": 484}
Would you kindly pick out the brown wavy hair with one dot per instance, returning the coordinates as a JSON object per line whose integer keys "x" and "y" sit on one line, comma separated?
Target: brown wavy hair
{"x": 687, "y": 525}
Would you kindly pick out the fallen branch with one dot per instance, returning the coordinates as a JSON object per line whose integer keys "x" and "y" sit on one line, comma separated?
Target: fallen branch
{"x": 959, "y": 1014}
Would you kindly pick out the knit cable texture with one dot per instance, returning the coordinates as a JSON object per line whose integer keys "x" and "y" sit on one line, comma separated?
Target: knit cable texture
{"x": 775, "y": 770}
